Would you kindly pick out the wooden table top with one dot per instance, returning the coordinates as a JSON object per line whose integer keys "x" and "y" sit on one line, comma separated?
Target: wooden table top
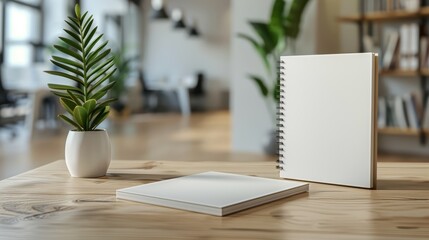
{"x": 46, "y": 203}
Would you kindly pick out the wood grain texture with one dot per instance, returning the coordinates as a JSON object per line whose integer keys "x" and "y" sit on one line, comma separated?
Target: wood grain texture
{"x": 400, "y": 73}
{"x": 398, "y": 131}
{"x": 386, "y": 16}
{"x": 46, "y": 203}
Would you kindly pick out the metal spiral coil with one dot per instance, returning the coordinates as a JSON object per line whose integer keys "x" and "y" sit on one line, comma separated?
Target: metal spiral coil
{"x": 280, "y": 123}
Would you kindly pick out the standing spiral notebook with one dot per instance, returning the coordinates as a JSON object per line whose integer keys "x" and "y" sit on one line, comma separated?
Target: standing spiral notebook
{"x": 327, "y": 119}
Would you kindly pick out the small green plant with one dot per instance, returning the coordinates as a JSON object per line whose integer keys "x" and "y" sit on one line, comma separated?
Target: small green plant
{"x": 124, "y": 68}
{"x": 273, "y": 36}
{"x": 88, "y": 66}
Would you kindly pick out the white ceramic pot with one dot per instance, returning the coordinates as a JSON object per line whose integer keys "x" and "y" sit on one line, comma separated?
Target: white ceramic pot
{"x": 88, "y": 153}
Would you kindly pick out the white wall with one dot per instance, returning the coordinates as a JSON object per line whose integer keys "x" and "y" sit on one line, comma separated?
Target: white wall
{"x": 101, "y": 7}
{"x": 56, "y": 13}
{"x": 251, "y": 122}
{"x": 170, "y": 53}
{"x": 349, "y": 38}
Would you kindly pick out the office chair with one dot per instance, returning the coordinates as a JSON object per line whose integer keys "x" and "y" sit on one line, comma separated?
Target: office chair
{"x": 151, "y": 97}
{"x": 9, "y": 114}
{"x": 197, "y": 94}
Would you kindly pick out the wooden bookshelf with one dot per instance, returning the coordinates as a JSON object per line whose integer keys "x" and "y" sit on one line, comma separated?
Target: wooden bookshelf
{"x": 424, "y": 11}
{"x": 399, "y": 73}
{"x": 386, "y": 16}
{"x": 353, "y": 18}
{"x": 404, "y": 73}
{"x": 424, "y": 72}
{"x": 390, "y": 16}
{"x": 398, "y": 131}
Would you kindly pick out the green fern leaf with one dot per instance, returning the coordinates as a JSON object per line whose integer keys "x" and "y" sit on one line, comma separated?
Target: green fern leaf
{"x": 89, "y": 21}
{"x": 77, "y": 10}
{"x": 94, "y": 60}
{"x": 100, "y": 70}
{"x": 70, "y": 69}
{"x": 62, "y": 95}
{"x": 90, "y": 105}
{"x": 68, "y": 105}
{"x": 71, "y": 43}
{"x": 72, "y": 26}
{"x": 85, "y": 32}
{"x": 100, "y": 117}
{"x": 84, "y": 16}
{"x": 70, "y": 121}
{"x": 68, "y": 62}
{"x": 80, "y": 115}
{"x": 65, "y": 88}
{"x": 73, "y": 35}
{"x": 88, "y": 24}
{"x": 91, "y": 46}
{"x": 77, "y": 98}
{"x": 68, "y": 52}
{"x": 101, "y": 81}
{"x": 65, "y": 75}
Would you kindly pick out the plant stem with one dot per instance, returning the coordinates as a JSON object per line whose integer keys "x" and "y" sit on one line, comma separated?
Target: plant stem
{"x": 85, "y": 83}
{"x": 85, "y": 87}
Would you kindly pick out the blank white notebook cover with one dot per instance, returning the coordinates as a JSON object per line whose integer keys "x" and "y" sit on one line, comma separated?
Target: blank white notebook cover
{"x": 328, "y": 118}
{"x": 212, "y": 192}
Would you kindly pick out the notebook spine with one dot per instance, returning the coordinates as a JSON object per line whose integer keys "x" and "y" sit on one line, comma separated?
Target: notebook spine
{"x": 280, "y": 118}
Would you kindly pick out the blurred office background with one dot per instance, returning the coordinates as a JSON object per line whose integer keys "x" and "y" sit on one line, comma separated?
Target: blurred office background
{"x": 186, "y": 94}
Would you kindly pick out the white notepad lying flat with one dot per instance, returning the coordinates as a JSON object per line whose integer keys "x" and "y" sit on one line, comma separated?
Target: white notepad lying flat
{"x": 212, "y": 193}
{"x": 328, "y": 118}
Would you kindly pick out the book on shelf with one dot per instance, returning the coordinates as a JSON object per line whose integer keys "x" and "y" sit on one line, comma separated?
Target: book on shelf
{"x": 411, "y": 112}
{"x": 400, "y": 113}
{"x": 413, "y": 46}
{"x": 425, "y": 121}
{"x": 368, "y": 43}
{"x": 408, "y": 50}
{"x": 409, "y": 5}
{"x": 418, "y": 105}
{"x": 390, "y": 116}
{"x": 403, "y": 112}
{"x": 371, "y": 6}
{"x": 404, "y": 108}
{"x": 401, "y": 48}
{"x": 423, "y": 52}
{"x": 382, "y": 113}
{"x": 391, "y": 49}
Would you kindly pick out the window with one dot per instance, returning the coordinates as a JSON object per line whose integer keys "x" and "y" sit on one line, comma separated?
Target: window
{"x": 22, "y": 31}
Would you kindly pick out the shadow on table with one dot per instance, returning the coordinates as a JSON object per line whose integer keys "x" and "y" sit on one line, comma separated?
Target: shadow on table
{"x": 142, "y": 177}
{"x": 386, "y": 184}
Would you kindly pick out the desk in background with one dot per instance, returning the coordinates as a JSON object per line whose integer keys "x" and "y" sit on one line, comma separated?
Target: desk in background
{"x": 31, "y": 81}
{"x": 46, "y": 203}
{"x": 180, "y": 86}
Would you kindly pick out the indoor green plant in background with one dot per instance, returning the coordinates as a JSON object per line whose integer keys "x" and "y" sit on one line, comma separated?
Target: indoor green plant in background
{"x": 124, "y": 66}
{"x": 88, "y": 67}
{"x": 273, "y": 40}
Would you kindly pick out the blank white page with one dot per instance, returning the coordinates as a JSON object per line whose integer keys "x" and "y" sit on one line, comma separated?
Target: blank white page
{"x": 328, "y": 118}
